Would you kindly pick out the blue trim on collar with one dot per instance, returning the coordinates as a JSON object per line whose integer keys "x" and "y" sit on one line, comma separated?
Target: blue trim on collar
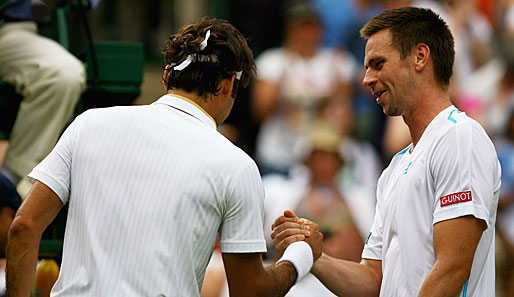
{"x": 403, "y": 151}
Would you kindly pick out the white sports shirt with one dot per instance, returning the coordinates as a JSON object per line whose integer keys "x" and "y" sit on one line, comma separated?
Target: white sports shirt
{"x": 453, "y": 171}
{"x": 302, "y": 83}
{"x": 149, "y": 188}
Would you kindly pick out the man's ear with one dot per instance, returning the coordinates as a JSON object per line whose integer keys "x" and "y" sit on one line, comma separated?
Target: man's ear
{"x": 166, "y": 76}
{"x": 422, "y": 54}
{"x": 227, "y": 85}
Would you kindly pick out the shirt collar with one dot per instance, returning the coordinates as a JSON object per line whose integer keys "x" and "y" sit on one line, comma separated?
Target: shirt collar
{"x": 188, "y": 106}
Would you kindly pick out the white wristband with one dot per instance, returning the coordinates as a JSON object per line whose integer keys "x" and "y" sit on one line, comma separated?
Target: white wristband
{"x": 299, "y": 253}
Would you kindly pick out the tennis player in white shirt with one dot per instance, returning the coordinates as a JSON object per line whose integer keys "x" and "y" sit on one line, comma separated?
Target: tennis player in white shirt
{"x": 433, "y": 233}
{"x": 151, "y": 187}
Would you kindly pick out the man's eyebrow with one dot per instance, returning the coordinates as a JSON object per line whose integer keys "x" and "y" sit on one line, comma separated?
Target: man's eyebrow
{"x": 370, "y": 61}
{"x": 373, "y": 61}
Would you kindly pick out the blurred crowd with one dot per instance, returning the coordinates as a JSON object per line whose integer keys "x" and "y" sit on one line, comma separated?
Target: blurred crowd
{"x": 318, "y": 137}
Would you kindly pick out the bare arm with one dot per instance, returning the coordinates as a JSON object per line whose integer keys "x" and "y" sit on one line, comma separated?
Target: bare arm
{"x": 247, "y": 277}
{"x": 455, "y": 242}
{"x": 343, "y": 278}
{"x": 264, "y": 99}
{"x": 37, "y": 211}
{"x": 346, "y": 279}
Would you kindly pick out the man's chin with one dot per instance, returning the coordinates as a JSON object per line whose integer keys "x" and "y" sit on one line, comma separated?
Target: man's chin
{"x": 389, "y": 112}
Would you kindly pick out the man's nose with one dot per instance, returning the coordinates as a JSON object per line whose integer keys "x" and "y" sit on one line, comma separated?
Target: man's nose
{"x": 369, "y": 78}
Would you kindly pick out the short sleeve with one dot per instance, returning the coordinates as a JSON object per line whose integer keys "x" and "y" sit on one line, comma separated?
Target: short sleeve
{"x": 270, "y": 65}
{"x": 242, "y": 227}
{"x": 55, "y": 170}
{"x": 347, "y": 66}
{"x": 466, "y": 174}
{"x": 373, "y": 243}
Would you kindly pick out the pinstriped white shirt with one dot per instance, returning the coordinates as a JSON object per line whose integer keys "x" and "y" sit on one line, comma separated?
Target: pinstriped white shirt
{"x": 149, "y": 188}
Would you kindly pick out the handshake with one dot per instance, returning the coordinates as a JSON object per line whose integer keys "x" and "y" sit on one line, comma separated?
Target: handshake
{"x": 298, "y": 240}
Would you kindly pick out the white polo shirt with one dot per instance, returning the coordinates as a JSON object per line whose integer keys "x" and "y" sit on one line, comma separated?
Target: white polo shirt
{"x": 453, "y": 171}
{"x": 149, "y": 188}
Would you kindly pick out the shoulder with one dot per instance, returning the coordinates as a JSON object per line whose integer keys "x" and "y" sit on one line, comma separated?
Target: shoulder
{"x": 116, "y": 109}
{"x": 271, "y": 54}
{"x": 459, "y": 138}
{"x": 108, "y": 114}
{"x": 457, "y": 127}
{"x": 228, "y": 153}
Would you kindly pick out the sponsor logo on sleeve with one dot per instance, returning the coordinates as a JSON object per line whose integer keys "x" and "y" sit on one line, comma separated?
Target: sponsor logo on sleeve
{"x": 456, "y": 198}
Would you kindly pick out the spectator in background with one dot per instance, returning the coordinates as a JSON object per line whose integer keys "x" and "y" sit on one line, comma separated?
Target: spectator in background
{"x": 489, "y": 92}
{"x": 342, "y": 20}
{"x": 10, "y": 201}
{"x": 48, "y": 77}
{"x": 290, "y": 81}
{"x": 505, "y": 224}
{"x": 362, "y": 164}
{"x": 172, "y": 182}
{"x": 344, "y": 212}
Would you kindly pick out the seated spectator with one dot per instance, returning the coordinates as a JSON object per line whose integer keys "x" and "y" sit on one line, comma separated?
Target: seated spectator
{"x": 290, "y": 81}
{"x": 344, "y": 212}
{"x": 490, "y": 90}
{"x": 362, "y": 164}
{"x": 48, "y": 77}
{"x": 10, "y": 201}
{"x": 314, "y": 191}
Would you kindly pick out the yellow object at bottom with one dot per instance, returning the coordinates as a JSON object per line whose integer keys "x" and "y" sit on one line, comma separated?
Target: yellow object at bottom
{"x": 47, "y": 273}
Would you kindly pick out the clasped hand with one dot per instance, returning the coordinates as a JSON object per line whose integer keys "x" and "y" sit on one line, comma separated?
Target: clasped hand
{"x": 289, "y": 228}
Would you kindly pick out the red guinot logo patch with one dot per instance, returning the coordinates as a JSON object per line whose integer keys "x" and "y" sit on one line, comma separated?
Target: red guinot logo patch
{"x": 456, "y": 198}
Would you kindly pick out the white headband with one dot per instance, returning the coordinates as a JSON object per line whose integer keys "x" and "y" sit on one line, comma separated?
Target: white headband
{"x": 201, "y": 58}
{"x": 203, "y": 45}
{"x": 191, "y": 58}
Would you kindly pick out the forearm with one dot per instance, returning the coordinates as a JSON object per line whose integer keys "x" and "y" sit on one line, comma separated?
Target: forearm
{"x": 247, "y": 277}
{"x": 444, "y": 281}
{"x": 277, "y": 280}
{"x": 346, "y": 278}
{"x": 22, "y": 253}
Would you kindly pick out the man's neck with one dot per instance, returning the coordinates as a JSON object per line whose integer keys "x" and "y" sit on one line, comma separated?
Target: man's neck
{"x": 206, "y": 104}
{"x": 424, "y": 112}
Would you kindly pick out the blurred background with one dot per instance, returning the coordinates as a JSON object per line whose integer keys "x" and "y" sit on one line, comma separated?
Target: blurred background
{"x": 318, "y": 136}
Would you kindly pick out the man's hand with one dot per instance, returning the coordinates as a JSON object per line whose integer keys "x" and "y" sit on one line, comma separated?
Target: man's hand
{"x": 289, "y": 228}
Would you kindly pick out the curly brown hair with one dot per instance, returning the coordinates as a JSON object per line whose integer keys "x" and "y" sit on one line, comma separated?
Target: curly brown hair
{"x": 227, "y": 52}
